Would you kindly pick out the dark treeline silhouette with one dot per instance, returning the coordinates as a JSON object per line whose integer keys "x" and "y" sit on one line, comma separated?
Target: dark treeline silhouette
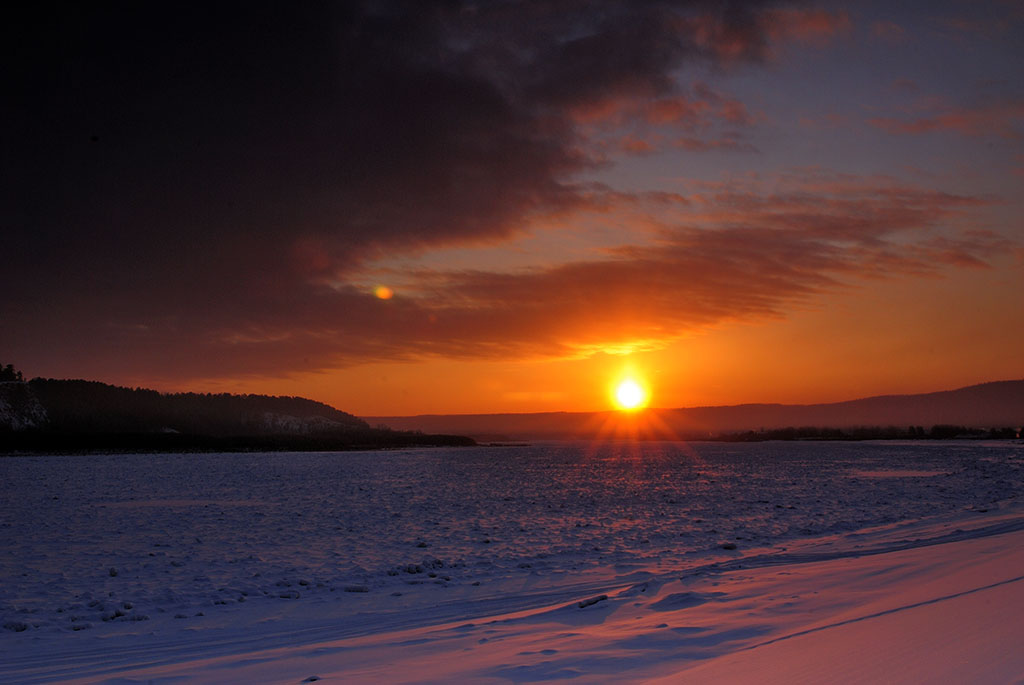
{"x": 10, "y": 374}
{"x": 43, "y": 442}
{"x": 82, "y": 416}
{"x": 938, "y": 432}
{"x": 90, "y": 406}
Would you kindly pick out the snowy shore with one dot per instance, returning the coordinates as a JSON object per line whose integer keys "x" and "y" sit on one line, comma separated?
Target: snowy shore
{"x": 778, "y": 562}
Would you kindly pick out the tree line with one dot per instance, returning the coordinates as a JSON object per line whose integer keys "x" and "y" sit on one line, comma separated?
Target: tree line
{"x": 92, "y": 407}
{"x": 936, "y": 432}
{"x": 84, "y": 416}
{"x": 9, "y": 374}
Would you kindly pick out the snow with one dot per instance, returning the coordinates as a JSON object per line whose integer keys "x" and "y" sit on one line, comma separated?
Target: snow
{"x": 287, "y": 424}
{"x": 19, "y": 407}
{"x": 599, "y": 563}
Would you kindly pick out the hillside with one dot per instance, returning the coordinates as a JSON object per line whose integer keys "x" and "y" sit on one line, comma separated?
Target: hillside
{"x": 91, "y": 407}
{"x": 78, "y": 415}
{"x": 1000, "y": 403}
{"x": 988, "y": 405}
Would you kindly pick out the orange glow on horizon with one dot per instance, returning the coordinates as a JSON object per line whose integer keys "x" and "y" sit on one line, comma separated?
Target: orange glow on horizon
{"x": 813, "y": 355}
{"x": 383, "y": 292}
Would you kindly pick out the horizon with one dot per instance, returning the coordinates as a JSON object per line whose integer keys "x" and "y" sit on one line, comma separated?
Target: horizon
{"x": 404, "y": 210}
{"x": 608, "y": 409}
{"x": 613, "y": 410}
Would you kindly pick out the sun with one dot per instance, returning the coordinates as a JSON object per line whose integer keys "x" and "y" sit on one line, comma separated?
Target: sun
{"x": 630, "y": 395}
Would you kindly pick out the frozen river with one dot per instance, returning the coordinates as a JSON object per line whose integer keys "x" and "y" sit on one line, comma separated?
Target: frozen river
{"x": 118, "y": 544}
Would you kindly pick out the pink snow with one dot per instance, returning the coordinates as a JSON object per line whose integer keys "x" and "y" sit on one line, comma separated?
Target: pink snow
{"x": 703, "y": 563}
{"x": 943, "y": 605}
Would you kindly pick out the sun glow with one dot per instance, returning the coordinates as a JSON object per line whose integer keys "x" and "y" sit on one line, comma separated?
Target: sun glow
{"x": 630, "y": 395}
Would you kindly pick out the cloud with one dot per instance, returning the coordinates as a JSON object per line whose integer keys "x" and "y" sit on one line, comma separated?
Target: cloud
{"x": 808, "y": 25}
{"x": 888, "y": 31}
{"x": 742, "y": 254}
{"x": 725, "y": 252}
{"x": 636, "y": 146}
{"x": 729, "y": 141}
{"x": 997, "y": 21}
{"x": 356, "y": 128}
{"x": 195, "y": 191}
{"x": 905, "y": 85}
{"x": 1004, "y": 119}
{"x": 707, "y": 118}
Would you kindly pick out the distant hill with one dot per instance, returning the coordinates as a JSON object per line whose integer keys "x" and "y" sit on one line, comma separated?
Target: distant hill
{"x": 1000, "y": 403}
{"x": 90, "y": 407}
{"x": 988, "y": 405}
{"x": 47, "y": 414}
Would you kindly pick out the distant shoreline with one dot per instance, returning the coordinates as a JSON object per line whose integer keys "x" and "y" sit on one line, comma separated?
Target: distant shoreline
{"x": 18, "y": 444}
{"x": 246, "y": 446}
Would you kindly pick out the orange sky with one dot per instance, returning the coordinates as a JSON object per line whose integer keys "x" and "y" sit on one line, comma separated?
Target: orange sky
{"x": 840, "y": 348}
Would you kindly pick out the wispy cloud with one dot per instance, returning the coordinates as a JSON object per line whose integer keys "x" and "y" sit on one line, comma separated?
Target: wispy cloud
{"x": 810, "y": 25}
{"x": 888, "y": 31}
{"x": 724, "y": 252}
{"x": 1004, "y": 119}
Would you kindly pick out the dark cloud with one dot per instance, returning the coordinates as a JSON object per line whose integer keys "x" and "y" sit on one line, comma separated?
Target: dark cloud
{"x": 389, "y": 124}
{"x": 188, "y": 190}
{"x": 727, "y": 254}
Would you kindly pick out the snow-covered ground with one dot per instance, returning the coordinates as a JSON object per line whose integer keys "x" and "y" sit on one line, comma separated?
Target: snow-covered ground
{"x": 768, "y": 562}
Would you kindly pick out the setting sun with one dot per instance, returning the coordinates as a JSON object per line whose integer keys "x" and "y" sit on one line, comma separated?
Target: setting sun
{"x": 630, "y": 395}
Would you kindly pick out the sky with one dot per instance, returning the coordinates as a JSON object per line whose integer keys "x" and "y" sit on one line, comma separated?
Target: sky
{"x": 461, "y": 207}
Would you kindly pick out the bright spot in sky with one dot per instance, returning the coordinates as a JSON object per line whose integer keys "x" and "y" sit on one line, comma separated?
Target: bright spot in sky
{"x": 383, "y": 292}
{"x": 629, "y": 395}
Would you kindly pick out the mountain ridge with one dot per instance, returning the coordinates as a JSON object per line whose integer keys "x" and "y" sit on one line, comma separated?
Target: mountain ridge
{"x": 983, "y": 405}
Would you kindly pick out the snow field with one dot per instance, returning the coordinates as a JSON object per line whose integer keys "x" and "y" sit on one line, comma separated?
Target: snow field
{"x": 199, "y": 555}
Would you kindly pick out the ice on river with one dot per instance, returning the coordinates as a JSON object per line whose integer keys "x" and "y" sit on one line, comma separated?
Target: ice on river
{"x": 149, "y": 566}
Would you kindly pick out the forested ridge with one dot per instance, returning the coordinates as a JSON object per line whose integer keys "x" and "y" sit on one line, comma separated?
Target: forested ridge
{"x": 91, "y": 406}
{"x": 46, "y": 414}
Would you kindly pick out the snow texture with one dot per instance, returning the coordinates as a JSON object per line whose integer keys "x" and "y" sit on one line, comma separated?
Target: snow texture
{"x": 602, "y": 562}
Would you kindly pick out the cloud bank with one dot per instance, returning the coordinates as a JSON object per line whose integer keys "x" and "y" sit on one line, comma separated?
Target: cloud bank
{"x": 194, "y": 192}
